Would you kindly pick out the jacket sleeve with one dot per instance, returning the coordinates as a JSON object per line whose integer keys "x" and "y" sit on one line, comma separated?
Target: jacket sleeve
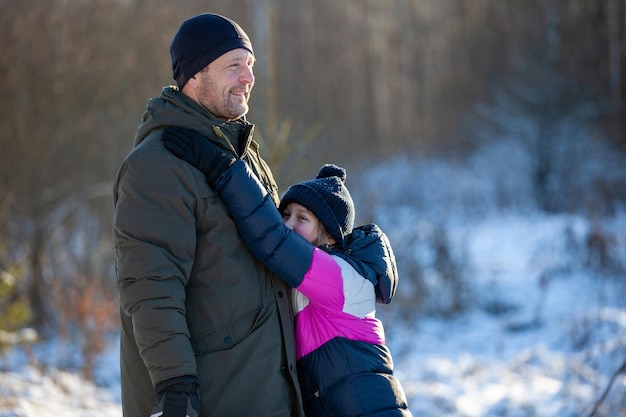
{"x": 368, "y": 250}
{"x": 154, "y": 237}
{"x": 261, "y": 226}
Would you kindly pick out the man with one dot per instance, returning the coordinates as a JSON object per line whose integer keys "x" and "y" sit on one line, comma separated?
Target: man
{"x": 206, "y": 329}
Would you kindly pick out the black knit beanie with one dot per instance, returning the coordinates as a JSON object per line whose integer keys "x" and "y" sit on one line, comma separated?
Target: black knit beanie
{"x": 328, "y": 198}
{"x": 202, "y": 39}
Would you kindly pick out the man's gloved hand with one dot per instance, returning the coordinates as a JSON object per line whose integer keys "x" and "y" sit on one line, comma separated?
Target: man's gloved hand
{"x": 196, "y": 149}
{"x": 177, "y": 397}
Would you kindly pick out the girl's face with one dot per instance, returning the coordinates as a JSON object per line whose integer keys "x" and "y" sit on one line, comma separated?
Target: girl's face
{"x": 299, "y": 219}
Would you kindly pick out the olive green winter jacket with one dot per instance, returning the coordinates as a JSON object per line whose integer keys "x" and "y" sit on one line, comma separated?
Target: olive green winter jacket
{"x": 193, "y": 298}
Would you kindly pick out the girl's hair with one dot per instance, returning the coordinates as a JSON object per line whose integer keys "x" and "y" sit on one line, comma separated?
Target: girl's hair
{"x": 322, "y": 235}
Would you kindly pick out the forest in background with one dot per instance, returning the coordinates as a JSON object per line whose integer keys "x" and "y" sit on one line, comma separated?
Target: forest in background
{"x": 351, "y": 82}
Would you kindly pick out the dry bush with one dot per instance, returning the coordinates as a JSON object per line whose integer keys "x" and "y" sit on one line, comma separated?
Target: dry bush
{"x": 604, "y": 253}
{"x": 432, "y": 276}
{"x": 87, "y": 313}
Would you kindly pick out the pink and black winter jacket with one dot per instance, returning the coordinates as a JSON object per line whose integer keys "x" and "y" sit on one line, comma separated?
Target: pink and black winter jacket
{"x": 344, "y": 366}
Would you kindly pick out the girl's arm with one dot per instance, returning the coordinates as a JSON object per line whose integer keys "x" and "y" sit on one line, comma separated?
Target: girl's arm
{"x": 296, "y": 261}
{"x": 260, "y": 224}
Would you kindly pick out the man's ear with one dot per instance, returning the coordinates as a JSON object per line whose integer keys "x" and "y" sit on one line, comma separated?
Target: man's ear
{"x": 194, "y": 81}
{"x": 191, "y": 86}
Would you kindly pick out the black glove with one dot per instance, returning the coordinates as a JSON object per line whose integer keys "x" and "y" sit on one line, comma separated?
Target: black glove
{"x": 199, "y": 151}
{"x": 177, "y": 397}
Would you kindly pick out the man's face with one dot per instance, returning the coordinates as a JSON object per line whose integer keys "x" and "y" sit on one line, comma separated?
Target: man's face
{"x": 225, "y": 84}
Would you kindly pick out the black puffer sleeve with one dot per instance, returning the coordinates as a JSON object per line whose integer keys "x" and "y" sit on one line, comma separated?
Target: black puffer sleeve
{"x": 261, "y": 226}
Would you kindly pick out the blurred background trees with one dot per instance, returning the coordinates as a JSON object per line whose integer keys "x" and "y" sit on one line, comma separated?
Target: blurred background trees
{"x": 350, "y": 82}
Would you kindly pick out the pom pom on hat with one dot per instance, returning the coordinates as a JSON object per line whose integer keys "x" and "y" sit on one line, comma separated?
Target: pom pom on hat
{"x": 202, "y": 39}
{"x": 328, "y": 198}
{"x": 331, "y": 170}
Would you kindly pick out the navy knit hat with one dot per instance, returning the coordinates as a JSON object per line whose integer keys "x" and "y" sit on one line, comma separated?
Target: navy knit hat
{"x": 328, "y": 198}
{"x": 202, "y": 39}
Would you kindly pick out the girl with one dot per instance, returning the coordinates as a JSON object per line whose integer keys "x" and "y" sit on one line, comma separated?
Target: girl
{"x": 344, "y": 366}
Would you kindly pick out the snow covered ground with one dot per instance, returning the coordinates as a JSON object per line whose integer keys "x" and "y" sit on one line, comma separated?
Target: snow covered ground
{"x": 25, "y": 391}
{"x": 551, "y": 354}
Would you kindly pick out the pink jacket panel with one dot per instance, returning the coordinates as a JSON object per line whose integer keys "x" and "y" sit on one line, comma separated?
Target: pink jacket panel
{"x": 333, "y": 300}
